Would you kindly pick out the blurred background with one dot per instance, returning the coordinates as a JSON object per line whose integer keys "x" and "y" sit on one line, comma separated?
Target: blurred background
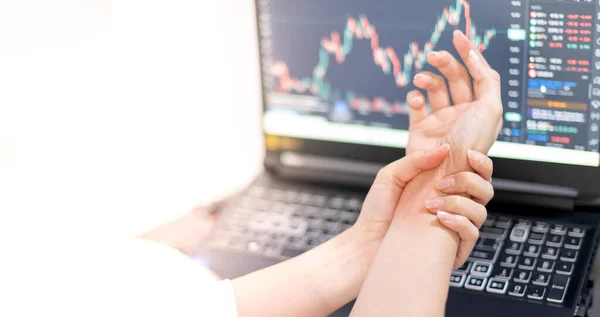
{"x": 117, "y": 116}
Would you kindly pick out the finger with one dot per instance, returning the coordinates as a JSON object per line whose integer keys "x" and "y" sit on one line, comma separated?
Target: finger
{"x": 401, "y": 172}
{"x": 467, "y": 232}
{"x": 476, "y": 213}
{"x": 469, "y": 184}
{"x": 481, "y": 164}
{"x": 436, "y": 88}
{"x": 458, "y": 78}
{"x": 417, "y": 108}
{"x": 486, "y": 80}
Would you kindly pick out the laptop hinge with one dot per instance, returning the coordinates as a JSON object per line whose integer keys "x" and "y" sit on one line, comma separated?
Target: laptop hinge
{"x": 351, "y": 172}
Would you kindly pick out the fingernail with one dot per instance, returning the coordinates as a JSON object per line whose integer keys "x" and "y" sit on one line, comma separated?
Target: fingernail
{"x": 423, "y": 78}
{"x": 445, "y": 216}
{"x": 434, "y": 54}
{"x": 445, "y": 183}
{"x": 417, "y": 100}
{"x": 457, "y": 33}
{"x": 434, "y": 203}
{"x": 475, "y": 156}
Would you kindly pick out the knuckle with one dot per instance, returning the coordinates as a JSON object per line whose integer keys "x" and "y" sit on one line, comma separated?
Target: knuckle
{"x": 469, "y": 179}
{"x": 481, "y": 217}
{"x": 492, "y": 191}
{"x": 495, "y": 75}
{"x": 457, "y": 201}
{"x": 475, "y": 235}
{"x": 384, "y": 174}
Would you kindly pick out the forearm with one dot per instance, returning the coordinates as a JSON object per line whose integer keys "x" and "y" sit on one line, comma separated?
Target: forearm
{"x": 314, "y": 284}
{"x": 411, "y": 271}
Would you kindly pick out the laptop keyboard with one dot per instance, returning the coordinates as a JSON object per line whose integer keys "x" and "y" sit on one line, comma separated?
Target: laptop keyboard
{"x": 522, "y": 258}
{"x": 515, "y": 257}
{"x": 284, "y": 223}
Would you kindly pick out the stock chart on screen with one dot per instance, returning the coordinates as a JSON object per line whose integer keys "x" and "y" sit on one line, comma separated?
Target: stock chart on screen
{"x": 349, "y": 64}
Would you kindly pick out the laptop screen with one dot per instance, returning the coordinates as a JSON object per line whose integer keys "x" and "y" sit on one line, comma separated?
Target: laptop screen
{"x": 339, "y": 70}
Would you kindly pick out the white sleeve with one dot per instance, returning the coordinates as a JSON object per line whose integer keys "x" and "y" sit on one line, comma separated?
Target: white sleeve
{"x": 220, "y": 301}
{"x": 116, "y": 278}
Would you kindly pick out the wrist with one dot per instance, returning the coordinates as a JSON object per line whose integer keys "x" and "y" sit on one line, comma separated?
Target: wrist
{"x": 341, "y": 266}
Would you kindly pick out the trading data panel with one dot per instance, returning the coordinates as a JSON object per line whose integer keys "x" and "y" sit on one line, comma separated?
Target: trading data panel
{"x": 351, "y": 62}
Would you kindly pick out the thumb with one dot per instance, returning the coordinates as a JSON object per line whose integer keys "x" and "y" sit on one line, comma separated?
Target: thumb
{"x": 382, "y": 200}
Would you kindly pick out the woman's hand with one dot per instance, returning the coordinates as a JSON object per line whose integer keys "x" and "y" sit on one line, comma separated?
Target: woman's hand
{"x": 460, "y": 214}
{"x": 477, "y": 106}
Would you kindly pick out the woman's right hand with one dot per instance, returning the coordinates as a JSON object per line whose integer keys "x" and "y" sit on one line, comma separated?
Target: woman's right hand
{"x": 463, "y": 211}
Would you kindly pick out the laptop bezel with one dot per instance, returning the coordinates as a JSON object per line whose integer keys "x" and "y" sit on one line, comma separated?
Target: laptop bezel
{"x": 581, "y": 178}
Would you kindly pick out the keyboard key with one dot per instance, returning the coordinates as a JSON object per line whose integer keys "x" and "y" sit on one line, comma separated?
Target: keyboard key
{"x": 568, "y": 255}
{"x": 509, "y": 260}
{"x": 564, "y": 268}
{"x": 550, "y": 253}
{"x": 558, "y": 229}
{"x": 314, "y": 242}
{"x": 536, "y": 292}
{"x": 475, "y": 283}
{"x": 502, "y": 272}
{"x": 573, "y": 243}
{"x": 482, "y": 269}
{"x": 255, "y": 247}
{"x": 336, "y": 203}
{"x": 330, "y": 214}
{"x": 555, "y": 240}
{"x": 541, "y": 279}
{"x": 558, "y": 289}
{"x": 492, "y": 232}
{"x": 532, "y": 250}
{"x": 486, "y": 244}
{"x": 522, "y": 276}
{"x": 466, "y": 267}
{"x": 503, "y": 222}
{"x": 519, "y": 234}
{"x": 489, "y": 221}
{"x": 348, "y": 218}
{"x": 514, "y": 248}
{"x": 483, "y": 255}
{"x": 291, "y": 253}
{"x": 517, "y": 289}
{"x": 497, "y": 286}
{"x": 527, "y": 263}
{"x": 536, "y": 238}
{"x": 524, "y": 222}
{"x": 312, "y": 200}
{"x": 457, "y": 279}
{"x": 541, "y": 227}
{"x": 272, "y": 251}
{"x": 577, "y": 232}
{"x": 354, "y": 204}
{"x": 298, "y": 243}
{"x": 546, "y": 266}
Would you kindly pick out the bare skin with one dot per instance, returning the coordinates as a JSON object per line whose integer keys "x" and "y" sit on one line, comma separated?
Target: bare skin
{"x": 418, "y": 252}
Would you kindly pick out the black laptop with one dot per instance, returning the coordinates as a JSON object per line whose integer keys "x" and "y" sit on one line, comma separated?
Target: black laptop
{"x": 335, "y": 75}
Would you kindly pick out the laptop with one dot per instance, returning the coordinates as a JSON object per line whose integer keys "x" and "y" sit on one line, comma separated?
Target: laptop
{"x": 334, "y": 79}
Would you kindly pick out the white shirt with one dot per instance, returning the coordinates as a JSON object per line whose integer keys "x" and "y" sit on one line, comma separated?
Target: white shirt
{"x": 115, "y": 278}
